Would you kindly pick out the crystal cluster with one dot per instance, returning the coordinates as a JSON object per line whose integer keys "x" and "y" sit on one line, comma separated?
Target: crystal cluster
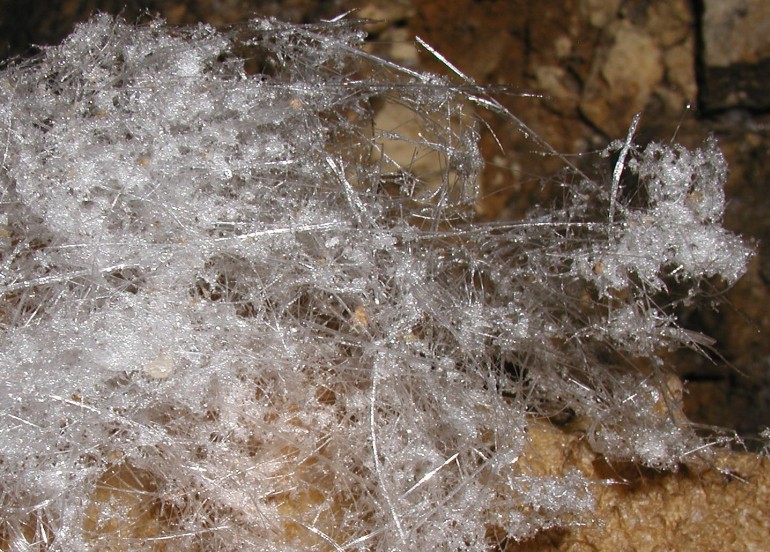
{"x": 232, "y": 320}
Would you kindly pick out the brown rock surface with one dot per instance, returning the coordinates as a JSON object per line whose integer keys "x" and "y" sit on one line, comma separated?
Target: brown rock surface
{"x": 623, "y": 79}
{"x": 736, "y": 54}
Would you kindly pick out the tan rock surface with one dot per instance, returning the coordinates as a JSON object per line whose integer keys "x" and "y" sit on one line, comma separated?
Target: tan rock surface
{"x": 623, "y": 80}
{"x": 723, "y": 504}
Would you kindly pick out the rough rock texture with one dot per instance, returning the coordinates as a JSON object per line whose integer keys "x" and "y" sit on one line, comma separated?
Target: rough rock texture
{"x": 594, "y": 63}
{"x": 622, "y": 80}
{"x": 736, "y": 54}
{"x": 722, "y": 506}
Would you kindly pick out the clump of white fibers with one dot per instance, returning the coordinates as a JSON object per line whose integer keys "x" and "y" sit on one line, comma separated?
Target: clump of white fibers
{"x": 230, "y": 321}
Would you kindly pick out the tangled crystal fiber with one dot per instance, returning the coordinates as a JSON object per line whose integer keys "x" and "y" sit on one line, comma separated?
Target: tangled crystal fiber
{"x": 232, "y": 320}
